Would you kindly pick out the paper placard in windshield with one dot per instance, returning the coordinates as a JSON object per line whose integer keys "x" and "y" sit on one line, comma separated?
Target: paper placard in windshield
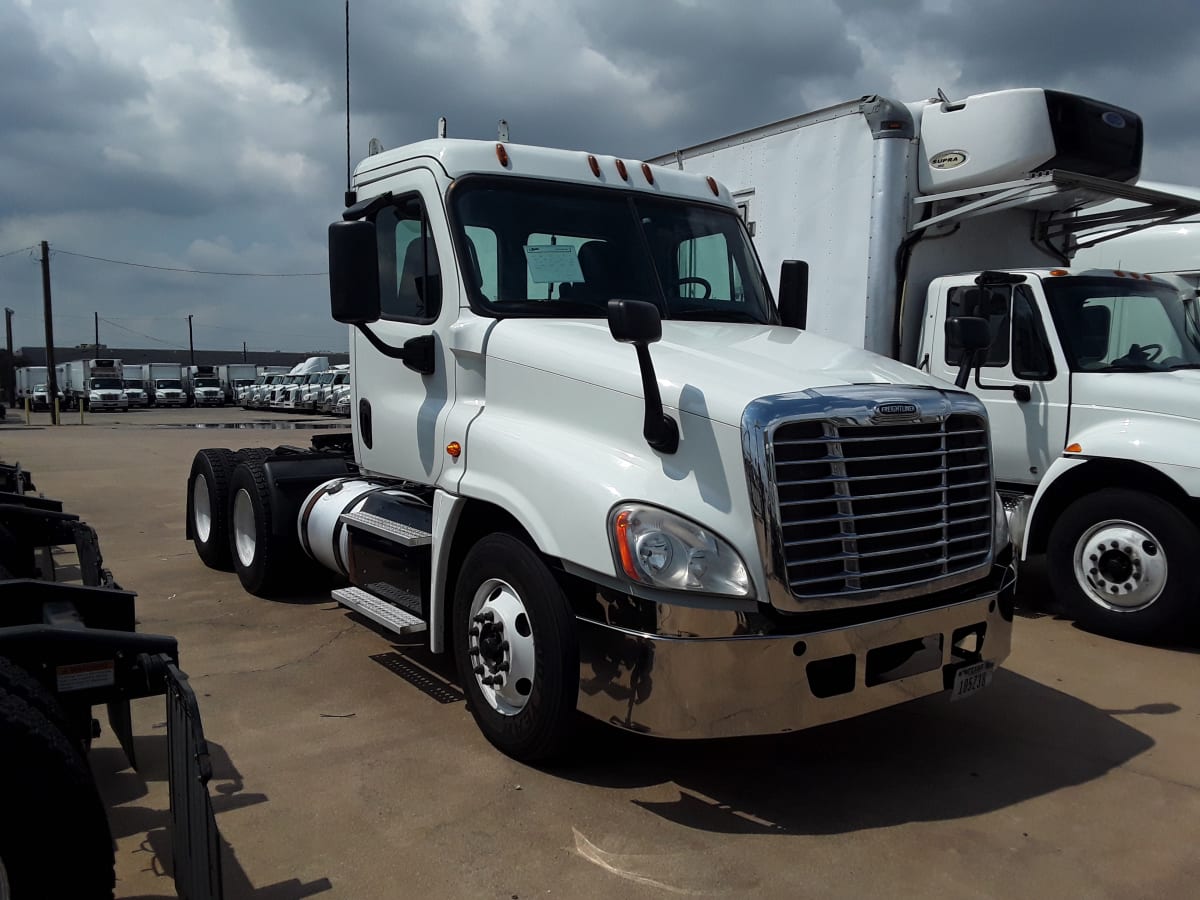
{"x": 551, "y": 263}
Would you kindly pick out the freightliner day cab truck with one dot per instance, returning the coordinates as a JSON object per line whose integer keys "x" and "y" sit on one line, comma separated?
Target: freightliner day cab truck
{"x": 95, "y": 384}
{"x": 912, "y": 214}
{"x": 602, "y": 493}
{"x": 167, "y": 382}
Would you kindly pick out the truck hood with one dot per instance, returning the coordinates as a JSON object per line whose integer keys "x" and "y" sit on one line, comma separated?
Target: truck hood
{"x": 1164, "y": 393}
{"x": 709, "y": 369}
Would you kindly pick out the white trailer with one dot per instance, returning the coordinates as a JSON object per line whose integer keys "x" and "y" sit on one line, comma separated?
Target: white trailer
{"x": 94, "y": 384}
{"x": 655, "y": 535}
{"x": 910, "y": 216}
{"x": 27, "y": 378}
{"x": 166, "y": 381}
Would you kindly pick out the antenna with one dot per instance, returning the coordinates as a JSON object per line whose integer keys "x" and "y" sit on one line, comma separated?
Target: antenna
{"x": 502, "y": 129}
{"x": 374, "y": 147}
{"x": 351, "y": 198}
{"x": 441, "y": 132}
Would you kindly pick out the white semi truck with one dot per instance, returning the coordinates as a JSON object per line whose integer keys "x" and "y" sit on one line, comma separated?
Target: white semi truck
{"x": 94, "y": 384}
{"x": 166, "y": 380}
{"x": 602, "y": 493}
{"x": 913, "y": 215}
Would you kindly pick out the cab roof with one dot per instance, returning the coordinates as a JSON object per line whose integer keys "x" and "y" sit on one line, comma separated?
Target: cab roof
{"x": 458, "y": 157}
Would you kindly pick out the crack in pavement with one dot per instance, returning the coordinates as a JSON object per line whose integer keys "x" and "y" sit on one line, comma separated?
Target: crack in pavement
{"x": 294, "y": 662}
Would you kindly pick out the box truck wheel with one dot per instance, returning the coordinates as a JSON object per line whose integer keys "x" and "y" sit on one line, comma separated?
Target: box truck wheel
{"x": 1122, "y": 562}
{"x": 54, "y": 838}
{"x": 516, "y": 648}
{"x": 208, "y": 505}
{"x": 266, "y": 563}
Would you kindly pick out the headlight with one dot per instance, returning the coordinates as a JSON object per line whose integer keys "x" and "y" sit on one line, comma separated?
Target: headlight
{"x": 658, "y": 548}
{"x": 1001, "y": 536}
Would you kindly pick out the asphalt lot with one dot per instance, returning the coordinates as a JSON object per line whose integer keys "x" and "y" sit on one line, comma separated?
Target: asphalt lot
{"x": 1074, "y": 775}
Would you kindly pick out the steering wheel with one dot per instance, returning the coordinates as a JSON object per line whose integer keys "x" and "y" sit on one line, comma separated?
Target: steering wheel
{"x": 700, "y": 281}
{"x": 1150, "y": 351}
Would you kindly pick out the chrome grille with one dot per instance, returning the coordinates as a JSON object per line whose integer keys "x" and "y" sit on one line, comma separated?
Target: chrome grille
{"x": 869, "y": 508}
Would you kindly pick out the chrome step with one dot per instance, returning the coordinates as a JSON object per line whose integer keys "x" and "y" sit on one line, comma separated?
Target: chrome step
{"x": 379, "y": 611}
{"x": 386, "y": 528}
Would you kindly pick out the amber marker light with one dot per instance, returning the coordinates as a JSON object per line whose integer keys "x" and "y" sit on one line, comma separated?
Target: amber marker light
{"x": 648, "y": 172}
{"x": 595, "y": 164}
{"x": 621, "y": 170}
{"x": 621, "y": 523}
{"x": 1074, "y": 448}
{"x": 454, "y": 448}
{"x": 502, "y": 155}
{"x": 1058, "y": 273}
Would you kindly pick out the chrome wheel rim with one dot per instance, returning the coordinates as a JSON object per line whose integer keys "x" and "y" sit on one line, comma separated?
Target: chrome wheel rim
{"x": 243, "y": 527}
{"x": 500, "y": 646}
{"x": 1120, "y": 566}
{"x": 201, "y": 509}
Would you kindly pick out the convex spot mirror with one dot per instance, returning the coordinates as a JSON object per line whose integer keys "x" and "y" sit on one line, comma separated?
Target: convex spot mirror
{"x": 353, "y": 273}
{"x": 634, "y": 321}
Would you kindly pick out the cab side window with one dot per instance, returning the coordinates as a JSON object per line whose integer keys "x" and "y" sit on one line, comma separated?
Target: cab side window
{"x": 410, "y": 277}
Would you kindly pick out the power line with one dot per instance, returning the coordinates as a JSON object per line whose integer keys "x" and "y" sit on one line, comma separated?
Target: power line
{"x": 18, "y": 250}
{"x": 125, "y": 262}
{"x": 142, "y": 334}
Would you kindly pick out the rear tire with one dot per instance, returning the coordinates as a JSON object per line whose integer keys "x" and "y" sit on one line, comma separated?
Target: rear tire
{"x": 208, "y": 505}
{"x": 532, "y": 716}
{"x": 1121, "y": 561}
{"x": 266, "y": 564}
{"x": 55, "y": 840}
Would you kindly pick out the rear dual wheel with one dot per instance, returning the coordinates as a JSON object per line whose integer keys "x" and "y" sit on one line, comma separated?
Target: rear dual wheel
{"x": 208, "y": 501}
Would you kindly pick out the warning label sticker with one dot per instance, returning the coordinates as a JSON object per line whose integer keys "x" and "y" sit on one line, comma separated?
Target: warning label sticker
{"x": 81, "y": 676}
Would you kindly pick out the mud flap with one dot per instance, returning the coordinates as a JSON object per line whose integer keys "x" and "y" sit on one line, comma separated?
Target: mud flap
{"x": 121, "y": 723}
{"x": 195, "y": 842}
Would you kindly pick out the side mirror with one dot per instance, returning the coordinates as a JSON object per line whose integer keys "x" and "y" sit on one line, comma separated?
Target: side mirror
{"x": 973, "y": 335}
{"x": 634, "y": 321}
{"x": 353, "y": 273}
{"x": 793, "y": 293}
{"x": 637, "y": 322}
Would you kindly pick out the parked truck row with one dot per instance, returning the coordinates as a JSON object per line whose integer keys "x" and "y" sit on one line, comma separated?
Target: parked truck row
{"x": 311, "y": 386}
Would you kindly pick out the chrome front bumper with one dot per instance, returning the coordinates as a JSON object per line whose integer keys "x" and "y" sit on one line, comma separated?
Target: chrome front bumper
{"x": 686, "y": 687}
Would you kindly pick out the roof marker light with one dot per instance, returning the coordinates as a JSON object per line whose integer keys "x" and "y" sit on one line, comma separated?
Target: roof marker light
{"x": 595, "y": 164}
{"x": 712, "y": 186}
{"x": 1058, "y": 273}
{"x": 1074, "y": 448}
{"x": 502, "y": 155}
{"x": 621, "y": 170}
{"x": 1118, "y": 273}
{"x": 648, "y": 172}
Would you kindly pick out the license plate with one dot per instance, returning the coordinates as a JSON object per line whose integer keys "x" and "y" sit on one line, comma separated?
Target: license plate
{"x": 970, "y": 679}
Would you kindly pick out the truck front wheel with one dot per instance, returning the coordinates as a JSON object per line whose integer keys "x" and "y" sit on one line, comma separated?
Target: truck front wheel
{"x": 516, "y": 648}
{"x": 1121, "y": 561}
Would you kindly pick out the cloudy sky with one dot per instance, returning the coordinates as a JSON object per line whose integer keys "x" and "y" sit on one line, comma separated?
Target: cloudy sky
{"x": 210, "y": 135}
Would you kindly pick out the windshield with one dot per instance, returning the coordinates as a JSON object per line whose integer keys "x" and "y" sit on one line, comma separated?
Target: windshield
{"x": 169, "y": 383}
{"x": 1122, "y": 325}
{"x": 207, "y": 382}
{"x": 106, "y": 383}
{"x": 541, "y": 249}
{"x": 133, "y": 384}
{"x": 39, "y": 387}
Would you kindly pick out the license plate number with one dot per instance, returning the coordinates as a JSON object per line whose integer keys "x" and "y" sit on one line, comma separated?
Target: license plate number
{"x": 970, "y": 679}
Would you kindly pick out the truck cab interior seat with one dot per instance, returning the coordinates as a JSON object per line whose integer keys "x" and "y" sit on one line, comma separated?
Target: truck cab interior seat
{"x": 420, "y": 289}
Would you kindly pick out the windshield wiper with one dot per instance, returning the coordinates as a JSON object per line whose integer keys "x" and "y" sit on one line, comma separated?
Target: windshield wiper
{"x": 703, "y": 313}
{"x": 1184, "y": 366}
{"x": 1128, "y": 367}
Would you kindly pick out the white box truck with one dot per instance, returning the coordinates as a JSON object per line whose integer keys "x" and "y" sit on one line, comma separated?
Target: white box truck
{"x": 166, "y": 380}
{"x": 94, "y": 384}
{"x": 234, "y": 378}
{"x": 602, "y": 493}
{"x": 202, "y": 384}
{"x": 913, "y": 215}
{"x": 136, "y": 379}
{"x": 27, "y": 378}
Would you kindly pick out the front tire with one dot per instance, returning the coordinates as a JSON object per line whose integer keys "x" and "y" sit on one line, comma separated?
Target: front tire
{"x": 208, "y": 505}
{"x": 1120, "y": 560}
{"x": 512, "y": 622}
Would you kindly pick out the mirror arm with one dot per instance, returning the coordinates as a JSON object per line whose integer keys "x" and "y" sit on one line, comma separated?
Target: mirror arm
{"x": 1021, "y": 392}
{"x": 660, "y": 430}
{"x": 417, "y": 353}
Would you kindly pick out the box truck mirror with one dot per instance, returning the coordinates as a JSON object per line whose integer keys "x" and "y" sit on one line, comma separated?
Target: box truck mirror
{"x": 353, "y": 273}
{"x": 637, "y": 322}
{"x": 793, "y": 293}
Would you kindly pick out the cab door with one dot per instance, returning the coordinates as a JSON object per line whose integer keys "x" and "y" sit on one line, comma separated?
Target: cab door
{"x": 1026, "y": 435}
{"x": 398, "y": 413}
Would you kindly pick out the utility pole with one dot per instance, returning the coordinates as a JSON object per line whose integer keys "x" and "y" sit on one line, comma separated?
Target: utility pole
{"x": 10, "y": 382}
{"x": 191, "y": 346}
{"x": 97, "y": 316}
{"x": 51, "y": 374}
